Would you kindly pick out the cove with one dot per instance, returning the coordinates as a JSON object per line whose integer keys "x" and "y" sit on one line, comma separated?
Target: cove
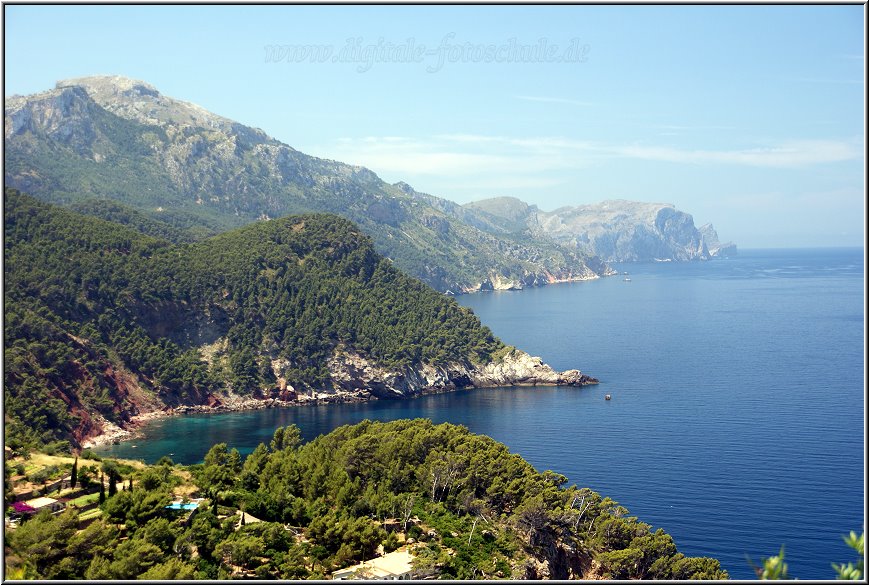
{"x": 737, "y": 412}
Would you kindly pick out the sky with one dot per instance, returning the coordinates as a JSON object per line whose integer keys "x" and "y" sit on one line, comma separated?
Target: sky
{"x": 749, "y": 117}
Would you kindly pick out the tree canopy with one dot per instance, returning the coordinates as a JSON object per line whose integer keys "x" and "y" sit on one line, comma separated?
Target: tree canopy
{"x": 475, "y": 509}
{"x": 89, "y": 301}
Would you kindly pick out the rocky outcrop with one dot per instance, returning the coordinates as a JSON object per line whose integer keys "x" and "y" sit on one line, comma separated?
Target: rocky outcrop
{"x": 136, "y": 100}
{"x": 354, "y": 374}
{"x": 716, "y": 248}
{"x": 502, "y": 282}
{"x": 518, "y": 368}
{"x": 356, "y": 378}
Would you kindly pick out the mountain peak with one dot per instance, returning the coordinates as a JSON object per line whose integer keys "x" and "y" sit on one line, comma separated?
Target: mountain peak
{"x": 507, "y": 207}
{"x": 137, "y": 100}
{"x": 116, "y": 85}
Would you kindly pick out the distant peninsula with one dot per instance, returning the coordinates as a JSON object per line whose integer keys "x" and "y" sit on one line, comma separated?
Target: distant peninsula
{"x": 615, "y": 231}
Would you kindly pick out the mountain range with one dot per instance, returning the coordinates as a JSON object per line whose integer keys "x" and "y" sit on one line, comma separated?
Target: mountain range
{"x": 119, "y": 149}
{"x": 119, "y": 139}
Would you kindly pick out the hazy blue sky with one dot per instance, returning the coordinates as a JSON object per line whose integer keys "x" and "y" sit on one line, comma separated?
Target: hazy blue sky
{"x": 750, "y": 117}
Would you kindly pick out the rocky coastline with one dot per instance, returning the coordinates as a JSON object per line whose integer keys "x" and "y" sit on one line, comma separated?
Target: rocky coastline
{"x": 357, "y": 380}
{"x": 499, "y": 283}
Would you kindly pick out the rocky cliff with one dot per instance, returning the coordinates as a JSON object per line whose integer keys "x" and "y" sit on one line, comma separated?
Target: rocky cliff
{"x": 615, "y": 231}
{"x": 109, "y": 137}
{"x": 353, "y": 374}
{"x": 715, "y": 247}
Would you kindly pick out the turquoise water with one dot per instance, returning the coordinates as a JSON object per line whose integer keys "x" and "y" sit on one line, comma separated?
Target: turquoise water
{"x": 737, "y": 412}
{"x": 181, "y": 506}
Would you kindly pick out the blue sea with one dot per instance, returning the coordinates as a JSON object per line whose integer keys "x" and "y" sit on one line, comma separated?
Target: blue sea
{"x": 737, "y": 415}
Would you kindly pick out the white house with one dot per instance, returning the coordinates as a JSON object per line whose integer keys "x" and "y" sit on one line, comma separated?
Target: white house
{"x": 42, "y": 503}
{"x": 394, "y": 566}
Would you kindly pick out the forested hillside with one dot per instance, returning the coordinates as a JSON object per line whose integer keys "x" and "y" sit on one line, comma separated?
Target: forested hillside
{"x": 101, "y": 319}
{"x": 462, "y": 504}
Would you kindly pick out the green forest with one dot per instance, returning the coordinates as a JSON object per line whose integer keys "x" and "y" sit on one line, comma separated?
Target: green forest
{"x": 88, "y": 300}
{"x": 466, "y": 506}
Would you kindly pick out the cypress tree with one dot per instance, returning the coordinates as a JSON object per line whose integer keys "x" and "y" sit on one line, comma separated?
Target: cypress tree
{"x": 73, "y": 476}
{"x": 102, "y": 489}
{"x": 130, "y": 487}
{"x": 113, "y": 484}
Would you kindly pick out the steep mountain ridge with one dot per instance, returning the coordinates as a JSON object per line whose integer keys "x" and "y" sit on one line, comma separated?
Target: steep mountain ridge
{"x": 108, "y": 137}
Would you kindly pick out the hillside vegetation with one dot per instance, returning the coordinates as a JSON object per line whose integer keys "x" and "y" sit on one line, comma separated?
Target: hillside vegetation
{"x": 464, "y": 505}
{"x": 103, "y": 319}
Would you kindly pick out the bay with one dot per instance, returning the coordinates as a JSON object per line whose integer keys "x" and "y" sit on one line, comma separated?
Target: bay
{"x": 738, "y": 401}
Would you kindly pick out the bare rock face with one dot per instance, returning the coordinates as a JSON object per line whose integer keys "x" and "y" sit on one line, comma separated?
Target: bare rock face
{"x": 615, "y": 231}
{"x": 518, "y": 368}
{"x": 136, "y": 100}
{"x": 66, "y": 116}
{"x": 354, "y": 379}
{"x": 628, "y": 231}
{"x": 716, "y": 248}
{"x": 355, "y": 375}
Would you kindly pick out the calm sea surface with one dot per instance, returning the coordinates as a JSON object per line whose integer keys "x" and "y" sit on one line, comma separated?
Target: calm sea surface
{"x": 737, "y": 412}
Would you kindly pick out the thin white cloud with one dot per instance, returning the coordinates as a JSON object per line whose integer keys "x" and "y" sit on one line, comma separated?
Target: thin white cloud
{"x": 796, "y": 153}
{"x": 469, "y": 138}
{"x": 511, "y": 184}
{"x": 407, "y": 157}
{"x": 553, "y": 100}
{"x": 496, "y": 161}
{"x": 536, "y": 143}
